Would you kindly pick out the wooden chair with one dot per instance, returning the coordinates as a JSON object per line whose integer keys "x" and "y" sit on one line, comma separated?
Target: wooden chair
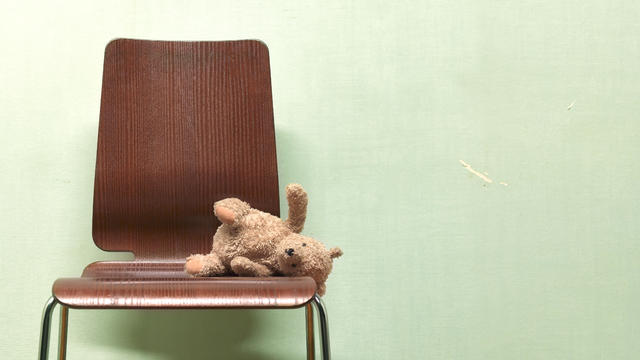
{"x": 182, "y": 124}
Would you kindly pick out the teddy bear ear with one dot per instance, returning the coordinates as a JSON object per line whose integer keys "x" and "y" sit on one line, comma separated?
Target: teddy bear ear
{"x": 335, "y": 252}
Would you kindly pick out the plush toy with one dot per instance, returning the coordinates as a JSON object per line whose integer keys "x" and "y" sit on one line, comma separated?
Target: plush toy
{"x": 254, "y": 243}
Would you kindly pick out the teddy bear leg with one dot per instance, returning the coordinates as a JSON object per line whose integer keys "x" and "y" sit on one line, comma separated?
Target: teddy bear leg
{"x": 204, "y": 265}
{"x": 230, "y": 210}
{"x": 245, "y": 267}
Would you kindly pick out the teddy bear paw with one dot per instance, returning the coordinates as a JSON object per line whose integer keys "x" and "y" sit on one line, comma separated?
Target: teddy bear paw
{"x": 194, "y": 264}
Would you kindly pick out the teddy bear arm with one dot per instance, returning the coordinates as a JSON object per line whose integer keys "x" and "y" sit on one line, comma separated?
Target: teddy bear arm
{"x": 245, "y": 267}
{"x": 297, "y": 200}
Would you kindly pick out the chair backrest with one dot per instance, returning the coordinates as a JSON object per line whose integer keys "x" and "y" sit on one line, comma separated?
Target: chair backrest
{"x": 182, "y": 125}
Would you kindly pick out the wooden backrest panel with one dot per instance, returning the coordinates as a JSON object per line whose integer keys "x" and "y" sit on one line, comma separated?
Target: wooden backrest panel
{"x": 182, "y": 125}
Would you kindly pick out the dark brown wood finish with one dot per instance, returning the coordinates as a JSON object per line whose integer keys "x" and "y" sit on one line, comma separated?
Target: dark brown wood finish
{"x": 182, "y": 124}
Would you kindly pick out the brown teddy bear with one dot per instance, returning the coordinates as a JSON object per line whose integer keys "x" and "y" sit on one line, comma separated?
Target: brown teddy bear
{"x": 254, "y": 243}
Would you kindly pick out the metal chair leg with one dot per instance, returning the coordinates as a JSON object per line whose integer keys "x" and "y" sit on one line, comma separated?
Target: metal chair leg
{"x": 311, "y": 349}
{"x": 324, "y": 326}
{"x": 64, "y": 323}
{"x": 46, "y": 328}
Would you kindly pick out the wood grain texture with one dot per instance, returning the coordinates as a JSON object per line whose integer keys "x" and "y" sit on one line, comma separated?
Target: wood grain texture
{"x": 136, "y": 270}
{"x": 181, "y": 293}
{"x": 182, "y": 125}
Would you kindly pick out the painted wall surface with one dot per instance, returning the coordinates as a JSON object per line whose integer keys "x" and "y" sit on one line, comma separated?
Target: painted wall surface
{"x": 376, "y": 105}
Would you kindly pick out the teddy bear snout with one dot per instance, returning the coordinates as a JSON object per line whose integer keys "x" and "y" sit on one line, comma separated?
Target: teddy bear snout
{"x": 289, "y": 251}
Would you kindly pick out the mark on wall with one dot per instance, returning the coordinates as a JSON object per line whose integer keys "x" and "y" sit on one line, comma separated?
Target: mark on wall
{"x": 571, "y": 105}
{"x": 484, "y": 175}
{"x": 476, "y": 173}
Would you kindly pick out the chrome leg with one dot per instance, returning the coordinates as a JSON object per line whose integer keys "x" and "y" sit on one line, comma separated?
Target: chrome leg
{"x": 311, "y": 349}
{"x": 324, "y": 326}
{"x": 64, "y": 323}
{"x": 46, "y": 328}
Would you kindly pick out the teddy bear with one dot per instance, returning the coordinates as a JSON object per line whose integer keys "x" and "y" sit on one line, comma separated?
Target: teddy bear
{"x": 251, "y": 242}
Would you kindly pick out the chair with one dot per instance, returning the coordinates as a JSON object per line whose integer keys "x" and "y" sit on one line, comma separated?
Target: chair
{"x": 182, "y": 124}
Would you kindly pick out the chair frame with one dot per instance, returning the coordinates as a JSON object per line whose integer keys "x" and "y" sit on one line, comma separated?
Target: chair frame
{"x": 155, "y": 95}
{"x": 49, "y": 307}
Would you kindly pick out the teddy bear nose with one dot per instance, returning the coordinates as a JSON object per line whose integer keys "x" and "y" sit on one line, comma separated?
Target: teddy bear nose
{"x": 289, "y": 252}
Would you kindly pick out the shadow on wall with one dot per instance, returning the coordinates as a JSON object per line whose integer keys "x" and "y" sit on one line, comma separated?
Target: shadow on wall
{"x": 192, "y": 334}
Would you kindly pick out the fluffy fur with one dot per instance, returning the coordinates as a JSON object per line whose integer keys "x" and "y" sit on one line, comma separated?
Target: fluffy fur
{"x": 254, "y": 243}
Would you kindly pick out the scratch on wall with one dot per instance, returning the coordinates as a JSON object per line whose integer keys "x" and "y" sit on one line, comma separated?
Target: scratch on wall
{"x": 476, "y": 173}
{"x": 484, "y": 176}
{"x": 571, "y": 105}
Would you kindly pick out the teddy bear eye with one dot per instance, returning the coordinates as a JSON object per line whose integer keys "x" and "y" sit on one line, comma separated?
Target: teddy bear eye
{"x": 304, "y": 244}
{"x": 293, "y": 265}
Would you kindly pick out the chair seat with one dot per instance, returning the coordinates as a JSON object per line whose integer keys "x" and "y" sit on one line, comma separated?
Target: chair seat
{"x": 164, "y": 285}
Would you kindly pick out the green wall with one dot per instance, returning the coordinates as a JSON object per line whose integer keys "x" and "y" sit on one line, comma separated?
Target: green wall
{"x": 375, "y": 106}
